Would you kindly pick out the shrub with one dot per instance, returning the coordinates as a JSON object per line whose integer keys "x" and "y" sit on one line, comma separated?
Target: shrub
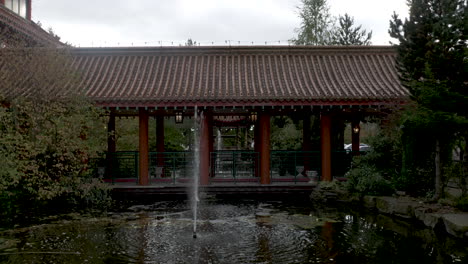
{"x": 365, "y": 179}
{"x": 462, "y": 203}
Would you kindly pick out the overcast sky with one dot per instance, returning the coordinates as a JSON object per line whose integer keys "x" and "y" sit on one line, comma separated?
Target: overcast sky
{"x": 210, "y": 22}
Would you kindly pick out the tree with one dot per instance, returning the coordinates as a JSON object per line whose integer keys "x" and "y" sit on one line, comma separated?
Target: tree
{"x": 318, "y": 27}
{"x": 49, "y": 132}
{"x": 191, "y": 42}
{"x": 347, "y": 34}
{"x": 317, "y": 24}
{"x": 432, "y": 62}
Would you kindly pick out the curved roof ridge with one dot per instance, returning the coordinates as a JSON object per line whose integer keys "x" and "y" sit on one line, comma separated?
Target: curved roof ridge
{"x": 213, "y": 50}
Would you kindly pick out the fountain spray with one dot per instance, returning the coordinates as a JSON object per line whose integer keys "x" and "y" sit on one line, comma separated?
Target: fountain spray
{"x": 196, "y": 168}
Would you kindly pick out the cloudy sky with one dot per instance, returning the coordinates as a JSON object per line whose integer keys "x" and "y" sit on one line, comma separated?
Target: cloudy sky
{"x": 210, "y": 22}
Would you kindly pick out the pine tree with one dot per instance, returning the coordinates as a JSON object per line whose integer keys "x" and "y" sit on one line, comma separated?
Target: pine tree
{"x": 347, "y": 34}
{"x": 432, "y": 62}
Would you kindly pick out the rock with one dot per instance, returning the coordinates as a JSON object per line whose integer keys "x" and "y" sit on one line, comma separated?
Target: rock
{"x": 262, "y": 214}
{"x": 369, "y": 201}
{"x": 401, "y": 193}
{"x": 137, "y": 208}
{"x": 404, "y": 209}
{"x": 431, "y": 219}
{"x": 385, "y": 204}
{"x": 456, "y": 224}
{"x": 391, "y": 205}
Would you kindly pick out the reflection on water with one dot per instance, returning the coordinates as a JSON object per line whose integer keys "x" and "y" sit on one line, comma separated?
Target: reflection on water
{"x": 241, "y": 232}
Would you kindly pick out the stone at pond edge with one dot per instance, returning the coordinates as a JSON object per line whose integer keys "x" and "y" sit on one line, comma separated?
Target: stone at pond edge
{"x": 369, "y": 201}
{"x": 456, "y": 224}
{"x": 424, "y": 215}
{"x": 391, "y": 205}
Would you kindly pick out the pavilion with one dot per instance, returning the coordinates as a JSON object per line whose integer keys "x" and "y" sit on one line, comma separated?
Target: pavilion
{"x": 247, "y": 84}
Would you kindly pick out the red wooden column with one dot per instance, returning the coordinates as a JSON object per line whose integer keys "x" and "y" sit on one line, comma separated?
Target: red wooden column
{"x": 160, "y": 143}
{"x": 110, "y": 143}
{"x": 306, "y": 142}
{"x": 143, "y": 147}
{"x": 355, "y": 132}
{"x": 264, "y": 148}
{"x": 325, "y": 140}
{"x": 205, "y": 134}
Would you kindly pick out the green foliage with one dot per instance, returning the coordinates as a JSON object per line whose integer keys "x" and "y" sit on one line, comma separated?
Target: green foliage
{"x": 285, "y": 134}
{"x": 462, "y": 203}
{"x": 348, "y": 34}
{"x": 49, "y": 133}
{"x": 191, "y": 42}
{"x": 378, "y": 171}
{"x": 46, "y": 146}
{"x": 318, "y": 27}
{"x": 432, "y": 63}
{"x": 175, "y": 135}
{"x": 317, "y": 24}
{"x": 365, "y": 179}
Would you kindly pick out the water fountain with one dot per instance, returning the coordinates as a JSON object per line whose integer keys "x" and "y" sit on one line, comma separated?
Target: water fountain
{"x": 194, "y": 198}
{"x": 219, "y": 140}
{"x": 219, "y": 147}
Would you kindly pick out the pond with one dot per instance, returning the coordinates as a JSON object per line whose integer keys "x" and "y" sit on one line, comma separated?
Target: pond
{"x": 241, "y": 231}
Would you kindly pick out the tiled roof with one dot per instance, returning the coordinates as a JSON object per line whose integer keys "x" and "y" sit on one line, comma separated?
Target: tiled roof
{"x": 27, "y": 28}
{"x": 187, "y": 76}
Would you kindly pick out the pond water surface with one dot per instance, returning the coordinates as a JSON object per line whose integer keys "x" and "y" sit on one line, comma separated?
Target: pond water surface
{"x": 245, "y": 231}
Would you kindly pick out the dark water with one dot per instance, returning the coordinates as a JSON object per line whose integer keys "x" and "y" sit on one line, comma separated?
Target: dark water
{"x": 230, "y": 232}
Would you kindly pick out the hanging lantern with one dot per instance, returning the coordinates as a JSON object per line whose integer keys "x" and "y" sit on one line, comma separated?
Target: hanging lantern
{"x": 356, "y": 129}
{"x": 179, "y": 118}
{"x": 253, "y": 116}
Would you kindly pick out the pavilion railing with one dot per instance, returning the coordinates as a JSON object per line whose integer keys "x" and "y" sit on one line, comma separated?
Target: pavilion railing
{"x": 173, "y": 167}
{"x": 121, "y": 165}
{"x": 234, "y": 165}
{"x": 301, "y": 166}
{"x": 294, "y": 166}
